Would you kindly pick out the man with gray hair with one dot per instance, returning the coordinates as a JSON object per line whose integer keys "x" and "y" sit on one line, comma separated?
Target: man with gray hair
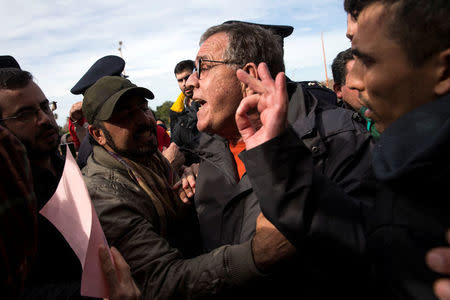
{"x": 130, "y": 184}
{"x": 339, "y": 144}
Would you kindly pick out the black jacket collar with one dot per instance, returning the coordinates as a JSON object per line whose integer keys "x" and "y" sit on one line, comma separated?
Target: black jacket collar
{"x": 420, "y": 140}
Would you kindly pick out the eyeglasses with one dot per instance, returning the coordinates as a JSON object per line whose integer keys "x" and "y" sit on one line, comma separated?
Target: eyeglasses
{"x": 199, "y": 67}
{"x": 31, "y": 114}
{"x": 53, "y": 105}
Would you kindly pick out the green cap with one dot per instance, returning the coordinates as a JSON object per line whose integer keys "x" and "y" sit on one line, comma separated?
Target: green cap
{"x": 101, "y": 98}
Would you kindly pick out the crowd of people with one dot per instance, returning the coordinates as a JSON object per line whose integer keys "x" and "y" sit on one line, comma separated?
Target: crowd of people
{"x": 267, "y": 187}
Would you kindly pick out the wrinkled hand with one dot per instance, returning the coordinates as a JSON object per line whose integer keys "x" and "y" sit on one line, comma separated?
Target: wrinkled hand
{"x": 76, "y": 113}
{"x": 270, "y": 99}
{"x": 118, "y": 276}
{"x": 269, "y": 246}
{"x": 438, "y": 259}
{"x": 174, "y": 156}
{"x": 186, "y": 185}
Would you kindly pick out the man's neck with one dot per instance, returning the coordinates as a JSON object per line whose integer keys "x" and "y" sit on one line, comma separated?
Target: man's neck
{"x": 143, "y": 160}
{"x": 44, "y": 163}
{"x": 230, "y": 133}
{"x": 234, "y": 140}
{"x": 187, "y": 101}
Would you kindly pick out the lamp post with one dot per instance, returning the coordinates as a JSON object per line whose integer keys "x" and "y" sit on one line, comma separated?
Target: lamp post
{"x": 120, "y": 51}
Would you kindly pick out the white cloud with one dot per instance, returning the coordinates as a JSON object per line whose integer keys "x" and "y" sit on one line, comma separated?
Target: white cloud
{"x": 58, "y": 41}
{"x": 304, "y": 53}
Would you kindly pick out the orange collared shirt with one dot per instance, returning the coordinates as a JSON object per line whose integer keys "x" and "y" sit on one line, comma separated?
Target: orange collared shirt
{"x": 236, "y": 149}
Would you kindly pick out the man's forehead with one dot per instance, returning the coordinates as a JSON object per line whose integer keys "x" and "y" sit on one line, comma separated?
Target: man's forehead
{"x": 13, "y": 100}
{"x": 213, "y": 46}
{"x": 373, "y": 14}
{"x": 127, "y": 101}
{"x": 183, "y": 73}
{"x": 371, "y": 22}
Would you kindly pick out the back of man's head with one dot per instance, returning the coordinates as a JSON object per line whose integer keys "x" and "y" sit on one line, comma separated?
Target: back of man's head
{"x": 339, "y": 66}
{"x": 420, "y": 26}
{"x": 184, "y": 65}
{"x": 250, "y": 43}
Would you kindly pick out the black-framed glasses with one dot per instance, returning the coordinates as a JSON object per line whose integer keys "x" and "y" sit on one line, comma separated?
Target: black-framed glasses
{"x": 199, "y": 67}
{"x": 30, "y": 114}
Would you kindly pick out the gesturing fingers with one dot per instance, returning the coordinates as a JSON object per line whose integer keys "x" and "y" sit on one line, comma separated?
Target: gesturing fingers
{"x": 243, "y": 122}
{"x": 269, "y": 99}
{"x": 260, "y": 85}
{"x": 186, "y": 185}
{"x": 442, "y": 289}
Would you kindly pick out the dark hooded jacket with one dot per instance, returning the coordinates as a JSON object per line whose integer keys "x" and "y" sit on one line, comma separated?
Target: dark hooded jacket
{"x": 406, "y": 215}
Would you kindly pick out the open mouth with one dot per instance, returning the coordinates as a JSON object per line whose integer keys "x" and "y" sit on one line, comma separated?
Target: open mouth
{"x": 200, "y": 103}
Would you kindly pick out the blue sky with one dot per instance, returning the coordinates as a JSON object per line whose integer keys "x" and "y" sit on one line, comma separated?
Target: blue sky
{"x": 57, "y": 41}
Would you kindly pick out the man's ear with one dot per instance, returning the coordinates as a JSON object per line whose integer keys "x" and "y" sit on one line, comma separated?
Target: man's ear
{"x": 443, "y": 72}
{"x": 337, "y": 88}
{"x": 251, "y": 69}
{"x": 97, "y": 134}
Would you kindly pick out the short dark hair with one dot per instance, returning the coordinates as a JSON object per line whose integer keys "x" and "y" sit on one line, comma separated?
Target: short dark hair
{"x": 250, "y": 43}
{"x": 354, "y": 7}
{"x": 13, "y": 78}
{"x": 339, "y": 66}
{"x": 184, "y": 65}
{"x": 420, "y": 26}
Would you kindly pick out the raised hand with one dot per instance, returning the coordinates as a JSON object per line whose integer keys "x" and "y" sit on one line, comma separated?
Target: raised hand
{"x": 270, "y": 99}
{"x": 186, "y": 185}
{"x": 75, "y": 112}
{"x": 174, "y": 156}
{"x": 438, "y": 260}
{"x": 118, "y": 276}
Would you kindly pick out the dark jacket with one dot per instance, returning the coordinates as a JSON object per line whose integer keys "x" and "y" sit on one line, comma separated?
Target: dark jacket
{"x": 131, "y": 223}
{"x": 184, "y": 132}
{"x": 408, "y": 215}
{"x": 228, "y": 207}
{"x": 84, "y": 151}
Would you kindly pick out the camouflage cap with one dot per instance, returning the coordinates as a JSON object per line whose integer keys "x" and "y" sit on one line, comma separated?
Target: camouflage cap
{"x": 101, "y": 98}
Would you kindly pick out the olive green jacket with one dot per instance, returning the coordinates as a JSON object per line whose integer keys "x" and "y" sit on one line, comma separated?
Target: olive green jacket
{"x": 130, "y": 222}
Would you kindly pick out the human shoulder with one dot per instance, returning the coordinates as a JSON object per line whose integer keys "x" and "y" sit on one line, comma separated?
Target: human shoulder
{"x": 107, "y": 178}
{"x": 320, "y": 91}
